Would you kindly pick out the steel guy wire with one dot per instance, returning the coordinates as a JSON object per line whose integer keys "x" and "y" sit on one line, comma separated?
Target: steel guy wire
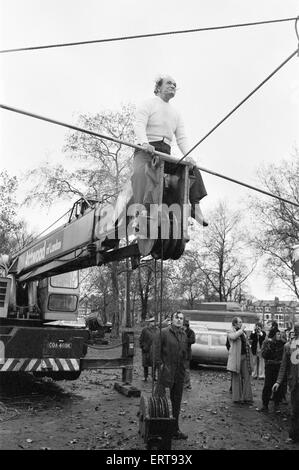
{"x": 140, "y": 36}
{"x": 138, "y": 147}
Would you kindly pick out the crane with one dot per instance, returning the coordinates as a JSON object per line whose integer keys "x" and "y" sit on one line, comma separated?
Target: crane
{"x": 39, "y": 289}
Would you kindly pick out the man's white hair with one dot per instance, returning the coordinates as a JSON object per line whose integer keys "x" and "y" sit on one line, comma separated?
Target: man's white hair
{"x": 159, "y": 80}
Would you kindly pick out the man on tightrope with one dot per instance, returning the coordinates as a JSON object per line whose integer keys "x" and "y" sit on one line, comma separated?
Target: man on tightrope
{"x": 157, "y": 121}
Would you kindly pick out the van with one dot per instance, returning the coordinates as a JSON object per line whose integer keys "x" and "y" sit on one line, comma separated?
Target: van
{"x": 219, "y": 320}
{"x": 209, "y": 347}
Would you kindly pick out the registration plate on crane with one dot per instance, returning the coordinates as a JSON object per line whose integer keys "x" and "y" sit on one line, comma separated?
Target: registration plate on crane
{"x": 52, "y": 347}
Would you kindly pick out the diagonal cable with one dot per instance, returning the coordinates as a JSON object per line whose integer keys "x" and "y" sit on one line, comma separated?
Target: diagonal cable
{"x": 140, "y": 36}
{"x": 165, "y": 156}
{"x": 240, "y": 104}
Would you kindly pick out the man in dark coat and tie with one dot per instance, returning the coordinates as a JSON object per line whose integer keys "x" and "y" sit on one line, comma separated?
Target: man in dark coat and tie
{"x": 172, "y": 348}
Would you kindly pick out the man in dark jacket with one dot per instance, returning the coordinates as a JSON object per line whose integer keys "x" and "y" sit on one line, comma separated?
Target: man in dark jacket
{"x": 272, "y": 351}
{"x": 145, "y": 343}
{"x": 173, "y": 349}
{"x": 190, "y": 340}
{"x": 290, "y": 368}
{"x": 256, "y": 340}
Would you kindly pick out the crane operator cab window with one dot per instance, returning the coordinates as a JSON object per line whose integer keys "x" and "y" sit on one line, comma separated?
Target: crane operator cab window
{"x": 66, "y": 280}
{"x": 59, "y": 295}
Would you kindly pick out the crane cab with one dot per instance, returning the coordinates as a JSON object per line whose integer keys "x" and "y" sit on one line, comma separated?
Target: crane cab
{"x": 58, "y": 296}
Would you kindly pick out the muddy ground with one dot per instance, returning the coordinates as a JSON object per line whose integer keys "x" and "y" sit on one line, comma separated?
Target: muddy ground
{"x": 89, "y": 414}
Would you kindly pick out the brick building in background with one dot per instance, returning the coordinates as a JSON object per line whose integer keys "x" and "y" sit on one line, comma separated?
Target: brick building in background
{"x": 285, "y": 312}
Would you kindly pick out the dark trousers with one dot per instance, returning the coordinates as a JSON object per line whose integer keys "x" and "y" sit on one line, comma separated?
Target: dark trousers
{"x": 187, "y": 381}
{"x": 198, "y": 189}
{"x": 176, "y": 393}
{"x": 144, "y": 187}
{"x": 145, "y": 179}
{"x": 271, "y": 373}
{"x": 294, "y": 431}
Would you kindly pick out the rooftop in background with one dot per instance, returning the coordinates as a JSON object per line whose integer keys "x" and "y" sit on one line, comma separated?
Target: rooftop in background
{"x": 219, "y": 306}
{"x": 272, "y": 303}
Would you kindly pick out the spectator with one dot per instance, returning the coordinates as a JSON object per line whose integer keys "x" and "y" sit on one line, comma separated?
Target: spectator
{"x": 272, "y": 351}
{"x": 190, "y": 340}
{"x": 239, "y": 362}
{"x": 285, "y": 336}
{"x": 274, "y": 328}
{"x": 256, "y": 340}
{"x": 145, "y": 342}
{"x": 290, "y": 368}
{"x": 172, "y": 347}
{"x": 227, "y": 345}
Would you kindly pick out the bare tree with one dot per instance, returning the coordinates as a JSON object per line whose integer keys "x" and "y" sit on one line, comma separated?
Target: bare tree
{"x": 13, "y": 233}
{"x": 97, "y": 169}
{"x": 278, "y": 221}
{"x": 95, "y": 282}
{"x": 223, "y": 256}
{"x": 146, "y": 280}
{"x": 189, "y": 281}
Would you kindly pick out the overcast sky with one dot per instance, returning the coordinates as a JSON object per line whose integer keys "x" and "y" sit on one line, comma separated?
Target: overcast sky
{"x": 214, "y": 71}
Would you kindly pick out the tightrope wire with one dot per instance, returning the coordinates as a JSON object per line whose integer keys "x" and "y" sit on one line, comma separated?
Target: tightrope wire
{"x": 140, "y": 36}
{"x": 138, "y": 147}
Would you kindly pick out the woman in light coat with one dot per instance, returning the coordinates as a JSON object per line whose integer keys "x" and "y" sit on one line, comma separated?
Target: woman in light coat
{"x": 239, "y": 362}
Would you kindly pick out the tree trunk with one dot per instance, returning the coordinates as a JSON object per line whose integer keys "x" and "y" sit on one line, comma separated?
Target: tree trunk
{"x": 143, "y": 309}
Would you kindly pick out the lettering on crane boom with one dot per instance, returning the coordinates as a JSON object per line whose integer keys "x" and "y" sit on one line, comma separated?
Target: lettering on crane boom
{"x": 45, "y": 249}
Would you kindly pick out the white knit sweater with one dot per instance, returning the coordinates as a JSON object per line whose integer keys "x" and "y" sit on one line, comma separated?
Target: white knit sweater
{"x": 155, "y": 120}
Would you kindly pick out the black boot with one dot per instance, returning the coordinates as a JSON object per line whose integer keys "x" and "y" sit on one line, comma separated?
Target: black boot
{"x": 197, "y": 214}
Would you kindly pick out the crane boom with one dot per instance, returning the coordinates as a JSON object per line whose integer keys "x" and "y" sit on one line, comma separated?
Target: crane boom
{"x": 39, "y": 294}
